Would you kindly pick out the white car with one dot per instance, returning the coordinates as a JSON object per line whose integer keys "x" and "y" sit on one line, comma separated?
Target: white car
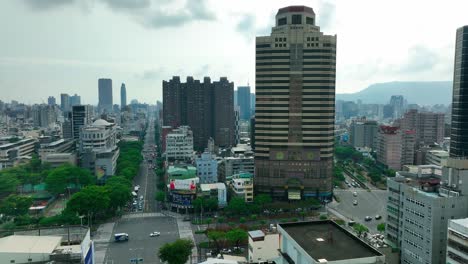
{"x": 154, "y": 234}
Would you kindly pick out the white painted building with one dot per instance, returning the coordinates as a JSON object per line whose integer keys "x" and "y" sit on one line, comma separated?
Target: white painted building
{"x": 241, "y": 185}
{"x": 457, "y": 241}
{"x": 98, "y": 146}
{"x": 215, "y": 190}
{"x": 11, "y": 153}
{"x": 263, "y": 247}
{"x": 207, "y": 168}
{"x": 179, "y": 144}
{"x": 436, "y": 157}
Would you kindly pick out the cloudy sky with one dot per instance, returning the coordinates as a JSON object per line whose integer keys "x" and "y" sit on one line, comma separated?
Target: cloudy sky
{"x": 52, "y": 46}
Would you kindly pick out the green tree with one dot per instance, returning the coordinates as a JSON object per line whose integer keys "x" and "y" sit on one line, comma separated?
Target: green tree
{"x": 236, "y": 236}
{"x": 217, "y": 237}
{"x": 160, "y": 196}
{"x": 118, "y": 180}
{"x": 359, "y": 228}
{"x": 119, "y": 194}
{"x": 89, "y": 201}
{"x": 8, "y": 183}
{"x": 262, "y": 200}
{"x": 236, "y": 206}
{"x": 16, "y": 205}
{"x": 177, "y": 252}
{"x": 381, "y": 227}
{"x": 62, "y": 177}
{"x": 211, "y": 204}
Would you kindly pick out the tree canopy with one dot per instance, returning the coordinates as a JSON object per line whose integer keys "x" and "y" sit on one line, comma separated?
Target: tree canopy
{"x": 64, "y": 176}
{"x": 381, "y": 227}
{"x": 177, "y": 252}
{"x": 236, "y": 236}
{"x": 90, "y": 200}
{"x": 360, "y": 228}
{"x": 16, "y": 205}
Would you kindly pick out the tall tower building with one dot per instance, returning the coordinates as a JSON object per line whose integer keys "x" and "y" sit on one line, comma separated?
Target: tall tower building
{"x": 206, "y": 107}
{"x": 81, "y": 116}
{"x": 123, "y": 96}
{"x": 295, "y": 107}
{"x": 65, "y": 102}
{"x": 243, "y": 101}
{"x": 75, "y": 100}
{"x": 459, "y": 129}
{"x": 51, "y": 100}
{"x": 105, "y": 95}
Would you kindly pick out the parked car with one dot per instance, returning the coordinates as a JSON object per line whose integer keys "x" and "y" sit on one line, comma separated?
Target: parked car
{"x": 377, "y": 217}
{"x": 368, "y": 218}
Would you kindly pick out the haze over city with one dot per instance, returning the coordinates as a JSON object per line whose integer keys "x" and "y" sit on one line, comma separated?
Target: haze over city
{"x": 54, "y": 46}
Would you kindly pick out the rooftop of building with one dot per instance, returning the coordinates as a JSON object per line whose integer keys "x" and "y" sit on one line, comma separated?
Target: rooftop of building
{"x": 29, "y": 244}
{"x": 327, "y": 240}
{"x": 182, "y": 171}
{"x": 101, "y": 122}
{"x": 461, "y": 222}
{"x": 295, "y": 9}
{"x": 389, "y": 130}
{"x": 206, "y": 187}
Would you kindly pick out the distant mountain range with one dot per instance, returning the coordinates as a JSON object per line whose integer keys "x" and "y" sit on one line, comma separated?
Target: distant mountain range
{"x": 422, "y": 93}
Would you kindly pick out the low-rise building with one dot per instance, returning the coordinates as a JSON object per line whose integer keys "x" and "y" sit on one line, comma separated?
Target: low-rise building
{"x": 11, "y": 153}
{"x": 207, "y": 168}
{"x": 263, "y": 247}
{"x": 57, "y": 159}
{"x": 48, "y": 245}
{"x": 436, "y": 157}
{"x": 235, "y": 165}
{"x": 457, "y": 241}
{"x": 58, "y": 146}
{"x": 179, "y": 144}
{"x": 323, "y": 242}
{"x": 241, "y": 185}
{"x": 215, "y": 190}
{"x": 182, "y": 186}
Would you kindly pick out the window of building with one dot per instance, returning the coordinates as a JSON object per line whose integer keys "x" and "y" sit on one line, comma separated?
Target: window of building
{"x": 309, "y": 20}
{"x": 276, "y": 39}
{"x": 308, "y": 38}
{"x": 282, "y": 21}
{"x": 296, "y": 19}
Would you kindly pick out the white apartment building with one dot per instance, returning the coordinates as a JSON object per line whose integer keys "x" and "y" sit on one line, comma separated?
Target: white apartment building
{"x": 179, "y": 144}
{"x": 207, "y": 168}
{"x": 98, "y": 146}
{"x": 436, "y": 157}
{"x": 457, "y": 241}
{"x": 241, "y": 185}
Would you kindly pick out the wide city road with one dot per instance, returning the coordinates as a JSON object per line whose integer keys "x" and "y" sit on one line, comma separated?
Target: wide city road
{"x": 369, "y": 203}
{"x": 146, "y": 177}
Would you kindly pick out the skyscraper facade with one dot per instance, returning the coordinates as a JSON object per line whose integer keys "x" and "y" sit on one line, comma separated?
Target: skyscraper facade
{"x": 51, "y": 100}
{"x": 243, "y": 101}
{"x": 123, "y": 96}
{"x": 295, "y": 107}
{"x": 75, "y": 100}
{"x": 81, "y": 116}
{"x": 206, "y": 107}
{"x": 459, "y": 129}
{"x": 105, "y": 95}
{"x": 65, "y": 102}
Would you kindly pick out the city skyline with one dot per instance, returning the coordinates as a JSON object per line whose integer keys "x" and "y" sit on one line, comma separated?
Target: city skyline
{"x": 377, "y": 57}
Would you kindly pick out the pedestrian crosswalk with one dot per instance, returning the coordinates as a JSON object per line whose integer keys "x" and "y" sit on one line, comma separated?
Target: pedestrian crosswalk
{"x": 142, "y": 215}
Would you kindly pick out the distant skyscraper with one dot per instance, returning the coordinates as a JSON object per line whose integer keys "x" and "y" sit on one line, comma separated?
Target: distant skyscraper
{"x": 459, "y": 130}
{"x": 75, "y": 100}
{"x": 81, "y": 116}
{"x": 65, "y": 102}
{"x": 206, "y": 107}
{"x": 105, "y": 95}
{"x": 123, "y": 96}
{"x": 398, "y": 103}
{"x": 243, "y": 101}
{"x": 295, "y": 107}
{"x": 51, "y": 100}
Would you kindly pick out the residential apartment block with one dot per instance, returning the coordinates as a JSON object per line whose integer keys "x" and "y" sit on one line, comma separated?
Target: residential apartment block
{"x": 363, "y": 133}
{"x": 395, "y": 147}
{"x": 179, "y": 144}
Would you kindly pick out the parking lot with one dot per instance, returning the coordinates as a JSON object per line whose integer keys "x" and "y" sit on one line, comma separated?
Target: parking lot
{"x": 140, "y": 244}
{"x": 369, "y": 203}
